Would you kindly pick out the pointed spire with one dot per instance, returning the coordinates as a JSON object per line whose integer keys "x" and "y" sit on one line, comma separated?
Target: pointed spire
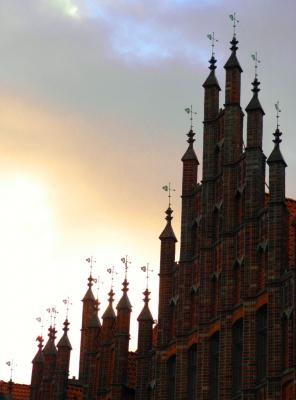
{"x": 168, "y": 232}
{"x": 211, "y": 79}
{"x": 254, "y": 103}
{"x": 124, "y": 302}
{"x": 232, "y": 61}
{"x": 94, "y": 322}
{"x": 39, "y": 355}
{"x": 89, "y": 293}
{"x": 276, "y": 155}
{"x": 50, "y": 347}
{"x": 64, "y": 341}
{"x": 109, "y": 312}
{"x": 145, "y": 314}
{"x": 190, "y": 153}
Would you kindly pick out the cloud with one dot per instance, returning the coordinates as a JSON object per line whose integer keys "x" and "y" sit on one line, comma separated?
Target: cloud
{"x": 67, "y": 7}
{"x": 141, "y": 31}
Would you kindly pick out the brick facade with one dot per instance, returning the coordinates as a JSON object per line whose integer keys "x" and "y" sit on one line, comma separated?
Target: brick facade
{"x": 226, "y": 319}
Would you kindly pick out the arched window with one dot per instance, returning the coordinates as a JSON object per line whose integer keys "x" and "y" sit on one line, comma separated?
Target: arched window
{"x": 261, "y": 343}
{"x": 214, "y": 366}
{"x": 172, "y": 378}
{"x": 237, "y": 356}
{"x": 192, "y": 372}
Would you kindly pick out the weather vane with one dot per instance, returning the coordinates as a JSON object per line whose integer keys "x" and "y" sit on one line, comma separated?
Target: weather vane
{"x": 52, "y": 311}
{"x": 11, "y": 364}
{"x": 188, "y": 110}
{"x": 90, "y": 261}
{"x": 256, "y": 61}
{"x": 167, "y": 188}
{"x": 40, "y": 321}
{"x": 278, "y": 110}
{"x": 125, "y": 262}
{"x": 235, "y": 22}
{"x": 67, "y": 304}
{"x": 146, "y": 269}
{"x": 112, "y": 271}
{"x": 211, "y": 37}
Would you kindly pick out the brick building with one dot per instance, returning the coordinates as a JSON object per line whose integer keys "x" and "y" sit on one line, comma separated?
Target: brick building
{"x": 226, "y": 320}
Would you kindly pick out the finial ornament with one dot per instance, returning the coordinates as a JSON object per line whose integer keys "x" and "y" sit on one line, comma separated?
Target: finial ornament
{"x": 126, "y": 262}
{"x": 168, "y": 188}
{"x": 90, "y": 260}
{"x": 66, "y": 325}
{"x": 188, "y": 110}
{"x": 67, "y": 304}
{"x": 277, "y": 134}
{"x": 40, "y": 341}
{"x": 112, "y": 272}
{"x": 256, "y": 62}
{"x": 235, "y": 22}
{"x": 111, "y": 297}
{"x": 147, "y": 269}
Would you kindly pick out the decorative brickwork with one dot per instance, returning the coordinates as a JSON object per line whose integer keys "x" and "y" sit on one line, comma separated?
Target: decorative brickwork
{"x": 226, "y": 315}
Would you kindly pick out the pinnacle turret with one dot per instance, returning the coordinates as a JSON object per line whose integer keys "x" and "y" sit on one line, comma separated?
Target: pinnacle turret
{"x": 232, "y": 61}
{"x": 39, "y": 355}
{"x": 276, "y": 155}
{"x": 109, "y": 312}
{"x": 211, "y": 79}
{"x": 145, "y": 314}
{"x": 168, "y": 232}
{"x": 254, "y": 103}
{"x": 64, "y": 341}
{"x": 190, "y": 153}
{"x": 50, "y": 347}
{"x": 124, "y": 302}
{"x": 89, "y": 293}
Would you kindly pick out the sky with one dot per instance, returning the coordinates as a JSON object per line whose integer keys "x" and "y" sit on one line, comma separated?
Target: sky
{"x": 92, "y": 125}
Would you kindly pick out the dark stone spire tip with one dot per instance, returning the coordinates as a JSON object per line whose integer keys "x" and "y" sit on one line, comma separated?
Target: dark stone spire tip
{"x": 212, "y": 62}
{"x": 40, "y": 341}
{"x": 191, "y": 135}
{"x": 90, "y": 281}
{"x": 169, "y": 213}
{"x": 125, "y": 286}
{"x": 145, "y": 314}
{"x": 234, "y": 43}
{"x": 276, "y": 155}
{"x": 256, "y": 85}
{"x": 168, "y": 232}
{"x": 277, "y": 136}
{"x": 111, "y": 297}
{"x": 146, "y": 296}
{"x": 66, "y": 325}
